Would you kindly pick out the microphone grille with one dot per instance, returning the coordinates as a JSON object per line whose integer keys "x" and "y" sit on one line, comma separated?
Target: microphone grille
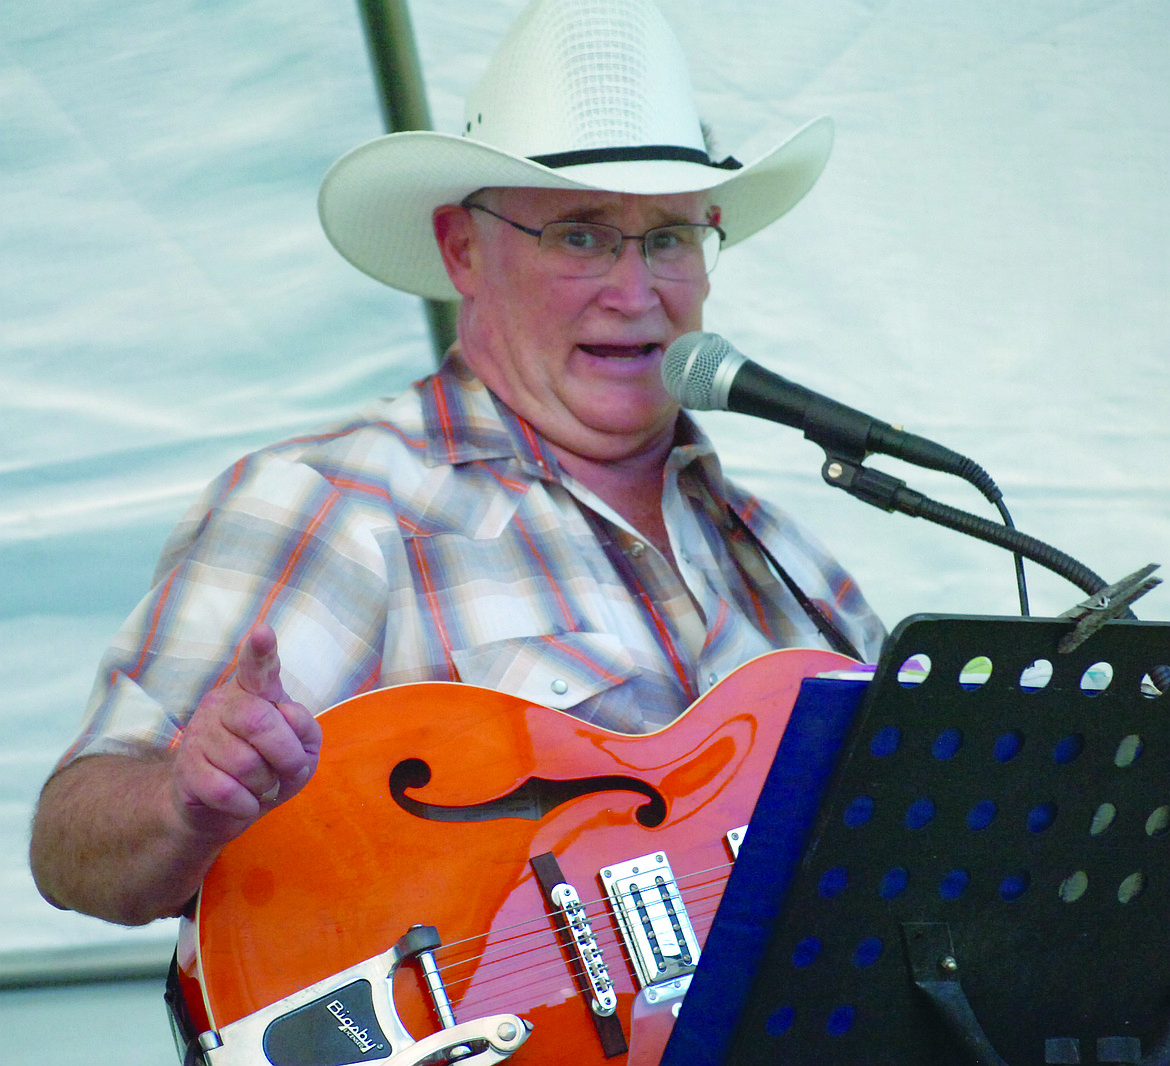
{"x": 690, "y": 367}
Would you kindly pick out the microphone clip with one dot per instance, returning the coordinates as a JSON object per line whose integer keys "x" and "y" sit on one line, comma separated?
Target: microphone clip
{"x": 871, "y": 486}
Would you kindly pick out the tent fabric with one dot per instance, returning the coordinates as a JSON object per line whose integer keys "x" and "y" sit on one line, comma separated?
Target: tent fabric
{"x": 985, "y": 261}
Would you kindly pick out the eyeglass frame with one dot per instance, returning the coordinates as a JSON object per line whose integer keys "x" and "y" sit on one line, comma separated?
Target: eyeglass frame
{"x": 468, "y": 204}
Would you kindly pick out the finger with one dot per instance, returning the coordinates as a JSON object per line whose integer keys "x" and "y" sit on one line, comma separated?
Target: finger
{"x": 265, "y": 743}
{"x": 295, "y": 774}
{"x": 262, "y": 742}
{"x": 234, "y": 734}
{"x": 304, "y": 726}
{"x": 258, "y": 666}
{"x": 211, "y": 795}
{"x": 230, "y": 780}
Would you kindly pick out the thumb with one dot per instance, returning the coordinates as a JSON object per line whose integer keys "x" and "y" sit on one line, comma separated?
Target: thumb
{"x": 258, "y": 667}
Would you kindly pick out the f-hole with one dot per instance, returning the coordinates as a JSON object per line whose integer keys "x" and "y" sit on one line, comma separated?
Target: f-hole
{"x": 534, "y": 799}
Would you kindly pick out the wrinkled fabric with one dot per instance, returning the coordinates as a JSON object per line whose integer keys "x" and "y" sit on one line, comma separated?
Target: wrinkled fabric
{"x": 434, "y": 538}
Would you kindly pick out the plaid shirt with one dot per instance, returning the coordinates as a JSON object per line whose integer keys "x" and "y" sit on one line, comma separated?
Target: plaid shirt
{"x": 435, "y": 538}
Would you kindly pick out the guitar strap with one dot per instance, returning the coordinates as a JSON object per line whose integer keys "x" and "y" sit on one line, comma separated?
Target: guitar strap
{"x": 828, "y": 629}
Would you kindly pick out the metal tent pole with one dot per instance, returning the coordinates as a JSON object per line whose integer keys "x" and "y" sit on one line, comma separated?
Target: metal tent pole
{"x": 132, "y": 960}
{"x": 404, "y": 107}
{"x": 402, "y": 98}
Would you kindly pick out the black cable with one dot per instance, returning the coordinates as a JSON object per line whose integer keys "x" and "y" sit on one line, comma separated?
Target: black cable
{"x": 892, "y": 494}
{"x": 1021, "y": 580}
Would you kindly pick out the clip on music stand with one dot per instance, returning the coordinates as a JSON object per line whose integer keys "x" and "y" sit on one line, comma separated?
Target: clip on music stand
{"x": 966, "y": 867}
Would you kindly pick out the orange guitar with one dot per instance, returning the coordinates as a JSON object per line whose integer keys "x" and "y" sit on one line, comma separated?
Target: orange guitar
{"x": 470, "y": 877}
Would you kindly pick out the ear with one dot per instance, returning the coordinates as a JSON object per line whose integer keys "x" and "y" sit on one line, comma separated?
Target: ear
{"x": 456, "y": 236}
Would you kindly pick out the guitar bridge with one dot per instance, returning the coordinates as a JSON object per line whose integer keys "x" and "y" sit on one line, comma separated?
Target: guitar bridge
{"x": 565, "y": 897}
{"x": 652, "y": 917}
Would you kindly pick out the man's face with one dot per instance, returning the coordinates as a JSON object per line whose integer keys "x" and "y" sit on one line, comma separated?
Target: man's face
{"x": 578, "y": 357}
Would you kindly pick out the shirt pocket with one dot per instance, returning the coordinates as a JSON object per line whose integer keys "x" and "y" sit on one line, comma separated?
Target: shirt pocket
{"x": 554, "y": 670}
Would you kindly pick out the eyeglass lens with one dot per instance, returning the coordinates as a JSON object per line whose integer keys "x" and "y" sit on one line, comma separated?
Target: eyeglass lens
{"x": 680, "y": 252}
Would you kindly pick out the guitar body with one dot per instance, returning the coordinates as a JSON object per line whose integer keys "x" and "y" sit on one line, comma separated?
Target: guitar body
{"x": 339, "y": 873}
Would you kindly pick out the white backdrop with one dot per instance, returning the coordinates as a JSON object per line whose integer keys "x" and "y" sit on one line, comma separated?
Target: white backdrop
{"x": 985, "y": 260}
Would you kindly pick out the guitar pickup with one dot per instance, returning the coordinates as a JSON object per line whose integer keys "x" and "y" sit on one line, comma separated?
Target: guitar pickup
{"x": 652, "y": 917}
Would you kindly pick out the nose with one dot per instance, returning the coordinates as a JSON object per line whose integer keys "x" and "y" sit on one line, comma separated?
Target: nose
{"x": 628, "y": 285}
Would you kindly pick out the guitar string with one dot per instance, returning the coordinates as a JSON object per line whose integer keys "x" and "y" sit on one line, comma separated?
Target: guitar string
{"x": 548, "y": 953}
{"x": 597, "y": 903}
{"x": 550, "y": 970}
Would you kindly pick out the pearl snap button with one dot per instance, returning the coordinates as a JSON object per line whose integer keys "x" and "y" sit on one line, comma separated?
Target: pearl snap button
{"x": 559, "y": 687}
{"x": 637, "y": 548}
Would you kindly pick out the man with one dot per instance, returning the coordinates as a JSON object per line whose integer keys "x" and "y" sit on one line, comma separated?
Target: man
{"x": 537, "y": 517}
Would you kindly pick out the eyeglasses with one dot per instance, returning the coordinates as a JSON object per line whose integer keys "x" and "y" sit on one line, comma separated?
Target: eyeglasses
{"x": 682, "y": 251}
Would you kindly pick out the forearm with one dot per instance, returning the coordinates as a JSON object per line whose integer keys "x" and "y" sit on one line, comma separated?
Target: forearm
{"x": 108, "y": 840}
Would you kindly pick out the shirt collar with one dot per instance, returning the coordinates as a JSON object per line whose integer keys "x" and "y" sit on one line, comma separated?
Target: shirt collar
{"x": 465, "y": 422}
{"x": 700, "y": 474}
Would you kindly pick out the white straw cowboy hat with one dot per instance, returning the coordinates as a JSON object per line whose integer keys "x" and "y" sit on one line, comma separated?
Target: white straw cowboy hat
{"x": 581, "y": 94}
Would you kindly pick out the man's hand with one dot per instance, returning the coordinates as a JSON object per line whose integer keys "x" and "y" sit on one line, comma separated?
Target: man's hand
{"x": 247, "y": 746}
{"x": 130, "y": 839}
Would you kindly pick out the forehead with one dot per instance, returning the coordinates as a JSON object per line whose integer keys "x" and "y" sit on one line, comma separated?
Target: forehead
{"x": 595, "y": 205}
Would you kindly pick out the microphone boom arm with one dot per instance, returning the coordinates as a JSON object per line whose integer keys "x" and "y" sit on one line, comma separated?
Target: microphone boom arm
{"x": 704, "y": 372}
{"x": 1109, "y": 601}
{"x": 892, "y": 494}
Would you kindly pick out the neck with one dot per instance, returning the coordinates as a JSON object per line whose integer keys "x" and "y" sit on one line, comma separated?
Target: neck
{"x": 632, "y": 487}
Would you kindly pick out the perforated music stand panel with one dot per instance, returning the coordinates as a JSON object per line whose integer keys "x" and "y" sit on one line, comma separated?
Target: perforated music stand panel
{"x": 1002, "y": 807}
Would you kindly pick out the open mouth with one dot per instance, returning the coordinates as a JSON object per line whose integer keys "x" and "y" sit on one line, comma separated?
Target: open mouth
{"x": 620, "y": 351}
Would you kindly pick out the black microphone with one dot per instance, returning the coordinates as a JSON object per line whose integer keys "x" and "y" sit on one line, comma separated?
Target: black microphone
{"x": 705, "y": 373}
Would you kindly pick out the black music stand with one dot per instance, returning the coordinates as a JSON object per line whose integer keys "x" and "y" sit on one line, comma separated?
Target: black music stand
{"x": 967, "y": 869}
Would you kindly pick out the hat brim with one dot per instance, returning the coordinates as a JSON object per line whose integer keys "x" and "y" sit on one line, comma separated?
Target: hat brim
{"x": 376, "y": 201}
